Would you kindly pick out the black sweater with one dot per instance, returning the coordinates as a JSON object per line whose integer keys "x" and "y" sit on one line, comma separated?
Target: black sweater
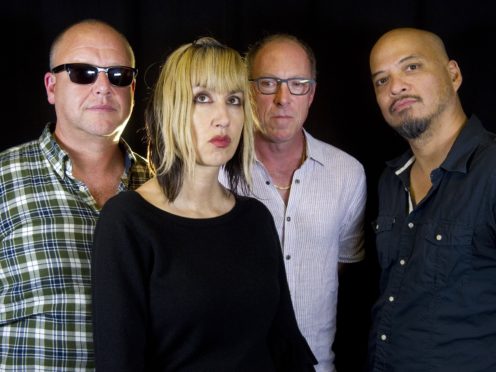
{"x": 179, "y": 294}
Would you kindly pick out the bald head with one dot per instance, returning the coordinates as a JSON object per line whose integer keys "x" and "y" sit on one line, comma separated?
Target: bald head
{"x": 88, "y": 27}
{"x": 281, "y": 38}
{"x": 415, "y": 82}
{"x": 96, "y": 109}
{"x": 412, "y": 41}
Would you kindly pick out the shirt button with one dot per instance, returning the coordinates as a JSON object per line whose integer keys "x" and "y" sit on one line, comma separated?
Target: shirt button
{"x": 288, "y": 257}
{"x": 288, "y": 218}
{"x": 377, "y": 227}
{"x": 383, "y": 337}
{"x": 410, "y": 225}
{"x": 391, "y": 298}
{"x": 267, "y": 182}
{"x": 297, "y": 181}
{"x": 402, "y": 262}
{"x": 82, "y": 188}
{"x": 439, "y": 237}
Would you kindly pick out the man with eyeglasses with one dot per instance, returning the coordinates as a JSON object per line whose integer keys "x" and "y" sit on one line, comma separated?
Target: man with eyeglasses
{"x": 316, "y": 192}
{"x": 51, "y": 192}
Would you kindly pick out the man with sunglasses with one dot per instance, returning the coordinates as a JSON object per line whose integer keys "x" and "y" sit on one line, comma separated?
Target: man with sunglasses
{"x": 316, "y": 192}
{"x": 51, "y": 192}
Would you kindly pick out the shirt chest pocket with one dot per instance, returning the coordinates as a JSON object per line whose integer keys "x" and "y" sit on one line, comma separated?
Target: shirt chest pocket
{"x": 385, "y": 240}
{"x": 448, "y": 250}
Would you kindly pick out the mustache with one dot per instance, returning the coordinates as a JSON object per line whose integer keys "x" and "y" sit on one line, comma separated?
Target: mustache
{"x": 391, "y": 106}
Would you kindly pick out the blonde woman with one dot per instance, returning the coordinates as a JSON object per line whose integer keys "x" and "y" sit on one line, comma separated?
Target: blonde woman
{"x": 188, "y": 276}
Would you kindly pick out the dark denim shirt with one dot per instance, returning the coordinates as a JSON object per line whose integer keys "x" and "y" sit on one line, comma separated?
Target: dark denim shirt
{"x": 437, "y": 307}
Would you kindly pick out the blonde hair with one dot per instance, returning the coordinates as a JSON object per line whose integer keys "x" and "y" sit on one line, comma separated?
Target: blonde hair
{"x": 171, "y": 149}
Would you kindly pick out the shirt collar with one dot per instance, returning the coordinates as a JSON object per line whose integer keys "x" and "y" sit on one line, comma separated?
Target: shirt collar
{"x": 471, "y": 136}
{"x": 57, "y": 157}
{"x": 60, "y": 161}
{"x": 314, "y": 151}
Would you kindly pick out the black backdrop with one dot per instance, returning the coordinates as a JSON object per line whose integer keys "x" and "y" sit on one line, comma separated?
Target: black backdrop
{"x": 344, "y": 112}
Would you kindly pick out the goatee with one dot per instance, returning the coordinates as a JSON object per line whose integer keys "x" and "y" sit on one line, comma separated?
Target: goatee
{"x": 413, "y": 128}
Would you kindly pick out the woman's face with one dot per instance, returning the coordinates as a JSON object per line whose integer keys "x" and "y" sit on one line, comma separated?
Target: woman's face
{"x": 217, "y": 125}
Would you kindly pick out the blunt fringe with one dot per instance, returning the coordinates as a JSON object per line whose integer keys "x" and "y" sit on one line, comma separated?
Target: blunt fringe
{"x": 168, "y": 116}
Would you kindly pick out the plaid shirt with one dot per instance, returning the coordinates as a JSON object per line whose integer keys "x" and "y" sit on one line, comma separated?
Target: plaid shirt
{"x": 47, "y": 219}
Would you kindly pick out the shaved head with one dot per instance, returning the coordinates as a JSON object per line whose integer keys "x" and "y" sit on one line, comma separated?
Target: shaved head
{"x": 430, "y": 43}
{"x": 414, "y": 80}
{"x": 98, "y": 109}
{"x": 79, "y": 29}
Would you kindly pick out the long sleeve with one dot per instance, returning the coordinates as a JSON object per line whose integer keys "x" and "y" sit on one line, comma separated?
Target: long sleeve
{"x": 173, "y": 293}
{"x": 119, "y": 293}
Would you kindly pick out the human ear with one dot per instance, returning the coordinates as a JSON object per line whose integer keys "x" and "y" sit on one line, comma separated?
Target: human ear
{"x": 49, "y": 81}
{"x": 455, "y": 74}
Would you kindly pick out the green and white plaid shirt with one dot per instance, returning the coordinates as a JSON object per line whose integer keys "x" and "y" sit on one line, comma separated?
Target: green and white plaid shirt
{"x": 47, "y": 218}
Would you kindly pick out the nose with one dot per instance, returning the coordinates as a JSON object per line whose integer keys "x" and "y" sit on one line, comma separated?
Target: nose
{"x": 102, "y": 85}
{"x": 222, "y": 119}
{"x": 282, "y": 95}
{"x": 397, "y": 85}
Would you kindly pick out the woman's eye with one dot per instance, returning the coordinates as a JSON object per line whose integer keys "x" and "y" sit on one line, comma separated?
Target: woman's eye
{"x": 202, "y": 98}
{"x": 234, "y": 100}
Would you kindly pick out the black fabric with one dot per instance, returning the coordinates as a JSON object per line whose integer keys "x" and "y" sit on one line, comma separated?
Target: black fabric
{"x": 437, "y": 308}
{"x": 180, "y": 294}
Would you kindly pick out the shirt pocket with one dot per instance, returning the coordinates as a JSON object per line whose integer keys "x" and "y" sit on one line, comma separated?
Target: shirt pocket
{"x": 484, "y": 247}
{"x": 448, "y": 250}
{"x": 384, "y": 238}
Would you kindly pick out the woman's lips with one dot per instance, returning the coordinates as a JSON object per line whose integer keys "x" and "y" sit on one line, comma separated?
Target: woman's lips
{"x": 221, "y": 141}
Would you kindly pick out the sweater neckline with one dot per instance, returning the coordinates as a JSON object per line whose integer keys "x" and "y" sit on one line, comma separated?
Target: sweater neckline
{"x": 160, "y": 213}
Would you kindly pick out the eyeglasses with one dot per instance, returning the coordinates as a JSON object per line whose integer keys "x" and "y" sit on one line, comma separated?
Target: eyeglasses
{"x": 296, "y": 86}
{"x": 83, "y": 73}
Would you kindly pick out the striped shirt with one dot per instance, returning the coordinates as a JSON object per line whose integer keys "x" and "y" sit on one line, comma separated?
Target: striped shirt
{"x": 321, "y": 225}
{"x": 47, "y": 219}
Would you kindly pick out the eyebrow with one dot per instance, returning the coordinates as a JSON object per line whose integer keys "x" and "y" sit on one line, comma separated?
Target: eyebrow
{"x": 202, "y": 88}
{"x": 404, "y": 59}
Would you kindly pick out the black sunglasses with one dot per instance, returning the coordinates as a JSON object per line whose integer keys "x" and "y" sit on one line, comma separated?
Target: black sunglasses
{"x": 83, "y": 73}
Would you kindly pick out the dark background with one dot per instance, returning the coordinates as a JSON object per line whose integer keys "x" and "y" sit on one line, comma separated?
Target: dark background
{"x": 344, "y": 112}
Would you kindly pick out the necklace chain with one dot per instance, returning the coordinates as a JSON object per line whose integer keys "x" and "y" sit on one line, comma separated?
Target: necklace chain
{"x": 282, "y": 187}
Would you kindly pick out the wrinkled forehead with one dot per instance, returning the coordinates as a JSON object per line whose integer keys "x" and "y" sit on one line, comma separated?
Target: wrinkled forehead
{"x": 284, "y": 57}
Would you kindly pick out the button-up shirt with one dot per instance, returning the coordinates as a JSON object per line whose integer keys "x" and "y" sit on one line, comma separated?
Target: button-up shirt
{"x": 47, "y": 219}
{"x": 321, "y": 225}
{"x": 437, "y": 307}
